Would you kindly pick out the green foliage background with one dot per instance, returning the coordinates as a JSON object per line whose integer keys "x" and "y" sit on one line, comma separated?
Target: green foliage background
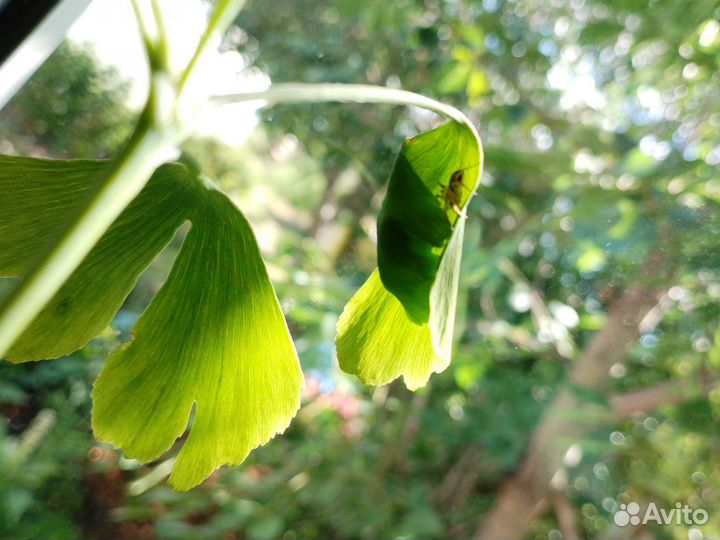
{"x": 580, "y": 189}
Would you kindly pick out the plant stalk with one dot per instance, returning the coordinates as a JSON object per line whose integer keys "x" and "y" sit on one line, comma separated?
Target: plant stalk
{"x": 346, "y": 93}
{"x": 224, "y": 13}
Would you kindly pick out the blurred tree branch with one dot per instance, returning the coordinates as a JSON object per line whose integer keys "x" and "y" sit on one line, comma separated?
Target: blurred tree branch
{"x": 461, "y": 478}
{"x": 566, "y": 515}
{"x": 667, "y": 393}
{"x": 544, "y": 321}
{"x": 519, "y": 497}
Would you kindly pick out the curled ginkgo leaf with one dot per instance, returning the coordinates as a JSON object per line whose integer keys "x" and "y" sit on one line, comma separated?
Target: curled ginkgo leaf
{"x": 401, "y": 321}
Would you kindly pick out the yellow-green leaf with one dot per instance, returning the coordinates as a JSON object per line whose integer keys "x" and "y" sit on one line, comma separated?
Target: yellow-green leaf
{"x": 215, "y": 338}
{"x": 401, "y": 322}
{"x": 44, "y": 192}
{"x": 432, "y": 181}
{"x": 37, "y": 196}
{"x": 378, "y": 342}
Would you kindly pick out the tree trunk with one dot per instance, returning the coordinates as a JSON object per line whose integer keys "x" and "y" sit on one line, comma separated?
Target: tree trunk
{"x": 525, "y": 494}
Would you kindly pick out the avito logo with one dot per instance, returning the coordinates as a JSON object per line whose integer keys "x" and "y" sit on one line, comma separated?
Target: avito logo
{"x": 682, "y": 514}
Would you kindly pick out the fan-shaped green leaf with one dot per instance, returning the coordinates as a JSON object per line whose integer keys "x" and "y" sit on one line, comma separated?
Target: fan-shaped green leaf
{"x": 47, "y": 191}
{"x": 37, "y": 196}
{"x": 214, "y": 336}
{"x": 401, "y": 321}
{"x": 432, "y": 181}
{"x": 378, "y": 342}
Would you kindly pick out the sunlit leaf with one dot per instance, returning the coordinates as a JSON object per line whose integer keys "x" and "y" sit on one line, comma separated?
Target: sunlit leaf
{"x": 38, "y": 195}
{"x": 213, "y": 337}
{"x": 401, "y": 321}
{"x": 433, "y": 178}
{"x": 454, "y": 78}
{"x": 378, "y": 342}
{"x": 591, "y": 258}
{"x": 477, "y": 85}
{"x": 628, "y": 217}
{"x": 714, "y": 353}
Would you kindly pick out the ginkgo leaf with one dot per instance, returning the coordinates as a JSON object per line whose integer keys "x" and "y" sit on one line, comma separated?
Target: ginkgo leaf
{"x": 378, "y": 342}
{"x": 401, "y": 322}
{"x": 37, "y": 196}
{"x": 44, "y": 192}
{"x": 433, "y": 178}
{"x": 443, "y": 296}
{"x": 214, "y": 337}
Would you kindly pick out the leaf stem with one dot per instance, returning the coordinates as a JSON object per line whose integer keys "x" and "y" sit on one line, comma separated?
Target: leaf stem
{"x": 347, "y": 93}
{"x": 224, "y": 13}
{"x": 145, "y": 34}
{"x": 163, "y": 47}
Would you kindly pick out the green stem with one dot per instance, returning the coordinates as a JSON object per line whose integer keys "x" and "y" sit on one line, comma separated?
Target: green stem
{"x": 163, "y": 47}
{"x": 224, "y": 13}
{"x": 348, "y": 93}
{"x": 147, "y": 38}
{"x": 147, "y": 149}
